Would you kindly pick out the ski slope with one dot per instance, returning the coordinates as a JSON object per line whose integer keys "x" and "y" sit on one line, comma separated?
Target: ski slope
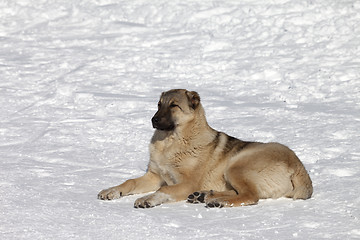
{"x": 80, "y": 81}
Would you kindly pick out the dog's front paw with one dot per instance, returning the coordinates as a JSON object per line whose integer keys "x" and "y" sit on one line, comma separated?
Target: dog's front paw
{"x": 146, "y": 202}
{"x": 110, "y": 193}
{"x": 143, "y": 203}
{"x": 152, "y": 200}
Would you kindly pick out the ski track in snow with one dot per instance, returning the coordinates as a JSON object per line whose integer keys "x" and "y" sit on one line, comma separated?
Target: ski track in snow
{"x": 80, "y": 82}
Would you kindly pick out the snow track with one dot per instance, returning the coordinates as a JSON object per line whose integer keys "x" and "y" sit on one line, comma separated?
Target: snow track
{"x": 80, "y": 81}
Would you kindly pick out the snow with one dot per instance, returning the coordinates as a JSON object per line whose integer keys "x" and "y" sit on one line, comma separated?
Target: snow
{"x": 80, "y": 81}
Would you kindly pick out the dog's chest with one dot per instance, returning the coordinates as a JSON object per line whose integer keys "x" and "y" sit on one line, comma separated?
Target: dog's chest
{"x": 172, "y": 163}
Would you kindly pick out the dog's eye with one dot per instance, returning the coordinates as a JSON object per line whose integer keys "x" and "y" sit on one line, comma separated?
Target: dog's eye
{"x": 173, "y": 105}
{"x": 159, "y": 104}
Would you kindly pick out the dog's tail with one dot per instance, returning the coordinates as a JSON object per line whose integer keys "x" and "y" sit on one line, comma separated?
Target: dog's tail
{"x": 302, "y": 184}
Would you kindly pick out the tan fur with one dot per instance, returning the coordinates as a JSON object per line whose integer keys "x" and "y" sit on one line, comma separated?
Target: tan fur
{"x": 190, "y": 160}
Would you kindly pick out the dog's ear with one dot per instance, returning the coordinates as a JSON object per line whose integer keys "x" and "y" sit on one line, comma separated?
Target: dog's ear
{"x": 194, "y": 99}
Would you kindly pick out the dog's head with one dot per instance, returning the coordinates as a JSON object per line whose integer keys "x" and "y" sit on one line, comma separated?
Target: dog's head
{"x": 175, "y": 108}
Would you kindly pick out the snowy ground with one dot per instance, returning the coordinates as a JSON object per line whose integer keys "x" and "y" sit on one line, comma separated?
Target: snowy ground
{"x": 80, "y": 82}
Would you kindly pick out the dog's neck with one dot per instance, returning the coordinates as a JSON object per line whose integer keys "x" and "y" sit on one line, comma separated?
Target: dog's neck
{"x": 195, "y": 129}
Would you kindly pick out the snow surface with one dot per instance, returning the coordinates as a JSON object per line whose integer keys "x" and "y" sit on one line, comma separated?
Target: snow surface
{"x": 80, "y": 81}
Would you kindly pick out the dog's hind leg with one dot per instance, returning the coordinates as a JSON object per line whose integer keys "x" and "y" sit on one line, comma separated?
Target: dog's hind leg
{"x": 232, "y": 199}
{"x": 244, "y": 192}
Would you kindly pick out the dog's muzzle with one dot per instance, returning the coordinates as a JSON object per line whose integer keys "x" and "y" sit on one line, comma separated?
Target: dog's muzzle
{"x": 162, "y": 124}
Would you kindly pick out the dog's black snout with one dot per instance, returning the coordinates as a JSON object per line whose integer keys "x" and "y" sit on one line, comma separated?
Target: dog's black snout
{"x": 162, "y": 122}
{"x": 155, "y": 120}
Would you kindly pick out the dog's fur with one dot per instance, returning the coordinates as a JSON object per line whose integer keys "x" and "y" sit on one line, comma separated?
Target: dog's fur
{"x": 190, "y": 160}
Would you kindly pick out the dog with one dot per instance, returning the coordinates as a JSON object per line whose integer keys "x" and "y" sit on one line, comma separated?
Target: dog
{"x": 191, "y": 161}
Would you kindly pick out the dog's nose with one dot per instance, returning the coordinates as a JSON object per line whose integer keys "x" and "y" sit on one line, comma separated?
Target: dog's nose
{"x": 155, "y": 120}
